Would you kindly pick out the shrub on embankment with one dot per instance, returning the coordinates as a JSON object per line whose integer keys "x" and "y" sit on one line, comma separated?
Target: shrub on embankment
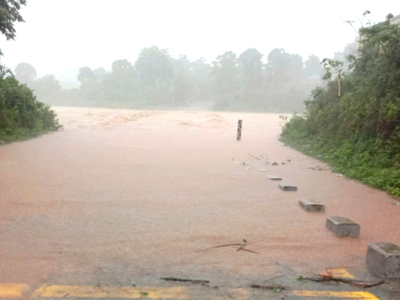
{"x": 21, "y": 115}
{"x": 357, "y": 130}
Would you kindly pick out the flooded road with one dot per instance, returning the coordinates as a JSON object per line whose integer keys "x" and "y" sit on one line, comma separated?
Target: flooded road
{"x": 125, "y": 197}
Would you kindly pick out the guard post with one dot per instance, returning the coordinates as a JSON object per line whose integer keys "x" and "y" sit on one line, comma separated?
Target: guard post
{"x": 239, "y": 130}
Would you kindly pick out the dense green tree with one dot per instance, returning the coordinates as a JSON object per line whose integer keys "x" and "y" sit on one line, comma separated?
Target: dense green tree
{"x": 357, "y": 129}
{"x": 9, "y": 14}
{"x": 25, "y": 73}
{"x": 100, "y": 74}
{"x": 201, "y": 80}
{"x": 21, "y": 115}
{"x": 85, "y": 74}
{"x": 120, "y": 86}
{"x": 250, "y": 67}
{"x": 182, "y": 80}
{"x": 47, "y": 89}
{"x": 154, "y": 67}
{"x": 313, "y": 67}
{"x": 225, "y": 77}
{"x": 296, "y": 67}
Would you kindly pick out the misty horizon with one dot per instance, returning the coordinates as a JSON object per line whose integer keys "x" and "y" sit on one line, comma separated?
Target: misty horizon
{"x": 207, "y": 31}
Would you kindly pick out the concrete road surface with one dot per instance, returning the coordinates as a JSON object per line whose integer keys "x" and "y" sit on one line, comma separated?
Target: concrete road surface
{"x": 122, "y": 198}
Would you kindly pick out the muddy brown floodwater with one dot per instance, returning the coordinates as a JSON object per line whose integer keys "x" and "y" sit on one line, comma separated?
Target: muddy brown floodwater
{"x": 121, "y": 196}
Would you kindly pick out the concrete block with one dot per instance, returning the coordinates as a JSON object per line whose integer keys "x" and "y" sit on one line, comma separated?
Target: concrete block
{"x": 310, "y": 205}
{"x": 342, "y": 227}
{"x": 384, "y": 260}
{"x": 276, "y": 178}
{"x": 288, "y": 187}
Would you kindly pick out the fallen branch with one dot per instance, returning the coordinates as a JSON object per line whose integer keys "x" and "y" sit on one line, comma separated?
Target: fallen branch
{"x": 240, "y": 248}
{"x": 228, "y": 245}
{"x": 254, "y": 156}
{"x": 354, "y": 282}
{"x": 268, "y": 287}
{"x": 185, "y": 280}
{"x": 250, "y": 251}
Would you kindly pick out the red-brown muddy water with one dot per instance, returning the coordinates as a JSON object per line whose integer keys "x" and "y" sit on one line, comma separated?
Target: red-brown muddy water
{"x": 123, "y": 195}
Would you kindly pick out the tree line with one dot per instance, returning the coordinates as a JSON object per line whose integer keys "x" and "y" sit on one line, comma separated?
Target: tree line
{"x": 157, "y": 80}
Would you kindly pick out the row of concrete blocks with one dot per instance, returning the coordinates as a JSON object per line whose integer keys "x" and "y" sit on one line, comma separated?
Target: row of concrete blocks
{"x": 382, "y": 258}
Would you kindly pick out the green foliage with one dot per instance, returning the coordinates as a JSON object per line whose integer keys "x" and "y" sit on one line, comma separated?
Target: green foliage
{"x": 359, "y": 131}
{"x": 21, "y": 115}
{"x": 9, "y": 14}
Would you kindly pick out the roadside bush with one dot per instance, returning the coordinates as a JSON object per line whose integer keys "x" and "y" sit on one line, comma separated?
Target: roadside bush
{"x": 21, "y": 115}
{"x": 358, "y": 132}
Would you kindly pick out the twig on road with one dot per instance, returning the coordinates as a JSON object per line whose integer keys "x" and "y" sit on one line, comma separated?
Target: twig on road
{"x": 268, "y": 287}
{"x": 254, "y": 156}
{"x": 240, "y": 248}
{"x": 354, "y": 282}
{"x": 185, "y": 280}
{"x": 228, "y": 245}
{"x": 250, "y": 251}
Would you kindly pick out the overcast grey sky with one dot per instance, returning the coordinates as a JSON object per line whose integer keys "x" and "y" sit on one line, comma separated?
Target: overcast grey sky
{"x": 61, "y": 35}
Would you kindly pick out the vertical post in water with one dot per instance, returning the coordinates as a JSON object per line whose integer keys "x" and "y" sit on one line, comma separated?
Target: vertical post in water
{"x": 239, "y": 131}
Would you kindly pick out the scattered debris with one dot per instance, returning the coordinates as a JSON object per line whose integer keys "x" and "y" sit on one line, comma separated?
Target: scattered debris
{"x": 276, "y": 288}
{"x": 185, "y": 280}
{"x": 396, "y": 203}
{"x": 228, "y": 245}
{"x": 354, "y": 282}
{"x": 276, "y": 178}
{"x": 275, "y": 163}
{"x": 318, "y": 168}
{"x": 239, "y": 246}
{"x": 283, "y": 163}
{"x": 254, "y": 156}
{"x": 238, "y": 162}
{"x": 339, "y": 175}
{"x": 288, "y": 160}
{"x": 248, "y": 168}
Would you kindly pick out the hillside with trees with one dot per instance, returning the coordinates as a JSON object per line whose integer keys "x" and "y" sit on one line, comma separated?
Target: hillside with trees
{"x": 354, "y": 122}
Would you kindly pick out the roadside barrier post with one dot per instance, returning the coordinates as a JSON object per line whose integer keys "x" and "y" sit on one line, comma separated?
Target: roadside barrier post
{"x": 239, "y": 131}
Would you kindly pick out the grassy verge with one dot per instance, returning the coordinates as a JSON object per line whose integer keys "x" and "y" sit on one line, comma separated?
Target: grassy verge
{"x": 369, "y": 161}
